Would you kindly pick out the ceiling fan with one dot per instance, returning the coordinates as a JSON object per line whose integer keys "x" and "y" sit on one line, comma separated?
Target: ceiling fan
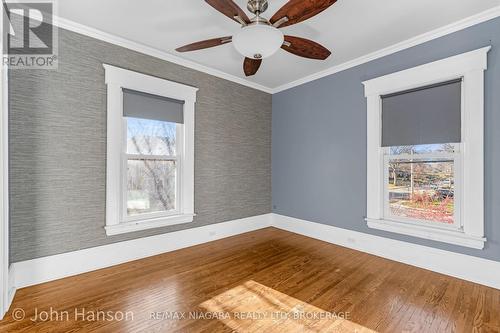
{"x": 260, "y": 38}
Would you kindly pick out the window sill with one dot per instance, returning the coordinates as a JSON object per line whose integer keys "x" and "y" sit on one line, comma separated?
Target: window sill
{"x": 127, "y": 227}
{"x": 440, "y": 235}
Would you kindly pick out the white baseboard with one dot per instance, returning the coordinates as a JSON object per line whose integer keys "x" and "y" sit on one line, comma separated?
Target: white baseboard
{"x": 474, "y": 269}
{"x": 12, "y": 286}
{"x": 10, "y": 293}
{"x": 40, "y": 270}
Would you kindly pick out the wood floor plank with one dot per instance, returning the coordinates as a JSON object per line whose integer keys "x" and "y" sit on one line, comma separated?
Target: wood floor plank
{"x": 264, "y": 281}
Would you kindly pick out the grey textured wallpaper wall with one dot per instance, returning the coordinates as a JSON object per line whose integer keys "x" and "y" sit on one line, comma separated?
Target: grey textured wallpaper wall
{"x": 319, "y": 140}
{"x": 58, "y": 148}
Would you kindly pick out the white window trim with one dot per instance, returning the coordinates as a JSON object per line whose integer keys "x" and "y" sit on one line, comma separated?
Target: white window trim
{"x": 470, "y": 66}
{"x": 117, "y": 79}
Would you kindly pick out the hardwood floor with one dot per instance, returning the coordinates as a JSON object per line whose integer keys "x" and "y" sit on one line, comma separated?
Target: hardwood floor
{"x": 264, "y": 281}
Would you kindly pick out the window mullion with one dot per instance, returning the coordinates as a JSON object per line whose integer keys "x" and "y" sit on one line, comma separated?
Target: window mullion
{"x": 423, "y": 157}
{"x": 151, "y": 157}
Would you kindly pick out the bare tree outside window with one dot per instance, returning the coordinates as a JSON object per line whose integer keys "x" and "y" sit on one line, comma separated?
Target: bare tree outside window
{"x": 151, "y": 166}
{"x": 393, "y": 164}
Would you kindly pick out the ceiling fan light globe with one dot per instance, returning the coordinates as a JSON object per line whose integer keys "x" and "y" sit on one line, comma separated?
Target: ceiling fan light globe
{"x": 258, "y": 40}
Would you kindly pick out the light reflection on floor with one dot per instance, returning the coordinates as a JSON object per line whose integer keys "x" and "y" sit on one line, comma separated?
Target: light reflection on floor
{"x": 253, "y": 307}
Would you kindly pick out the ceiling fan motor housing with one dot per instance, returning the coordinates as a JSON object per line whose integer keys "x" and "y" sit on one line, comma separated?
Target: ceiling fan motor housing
{"x": 257, "y": 6}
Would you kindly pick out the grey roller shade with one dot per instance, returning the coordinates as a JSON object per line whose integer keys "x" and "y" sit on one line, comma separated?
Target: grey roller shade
{"x": 426, "y": 115}
{"x": 146, "y": 106}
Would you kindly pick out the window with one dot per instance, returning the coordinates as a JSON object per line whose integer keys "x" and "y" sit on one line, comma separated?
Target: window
{"x": 420, "y": 183}
{"x": 425, "y": 156}
{"x": 152, "y": 168}
{"x": 150, "y": 152}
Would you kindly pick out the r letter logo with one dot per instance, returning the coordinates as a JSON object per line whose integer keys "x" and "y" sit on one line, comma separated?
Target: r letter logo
{"x": 29, "y": 35}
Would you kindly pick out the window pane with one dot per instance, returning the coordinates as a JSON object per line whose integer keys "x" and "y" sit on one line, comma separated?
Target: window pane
{"x": 150, "y": 186}
{"x": 150, "y": 137}
{"x": 422, "y": 190}
{"x": 423, "y": 149}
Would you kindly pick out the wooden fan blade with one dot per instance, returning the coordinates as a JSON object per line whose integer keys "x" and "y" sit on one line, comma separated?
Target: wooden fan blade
{"x": 204, "y": 44}
{"x": 229, "y": 8}
{"x": 305, "y": 48}
{"x": 300, "y": 10}
{"x": 251, "y": 66}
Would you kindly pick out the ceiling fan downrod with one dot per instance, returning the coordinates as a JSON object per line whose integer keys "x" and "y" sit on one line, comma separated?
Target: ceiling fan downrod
{"x": 257, "y": 7}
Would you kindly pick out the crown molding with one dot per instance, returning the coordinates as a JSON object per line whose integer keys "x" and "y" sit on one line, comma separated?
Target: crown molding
{"x": 135, "y": 46}
{"x": 423, "y": 38}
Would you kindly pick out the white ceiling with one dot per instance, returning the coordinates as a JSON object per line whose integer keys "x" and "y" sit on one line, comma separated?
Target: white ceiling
{"x": 350, "y": 29}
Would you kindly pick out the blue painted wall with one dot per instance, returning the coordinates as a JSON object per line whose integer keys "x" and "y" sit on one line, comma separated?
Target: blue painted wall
{"x": 319, "y": 140}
